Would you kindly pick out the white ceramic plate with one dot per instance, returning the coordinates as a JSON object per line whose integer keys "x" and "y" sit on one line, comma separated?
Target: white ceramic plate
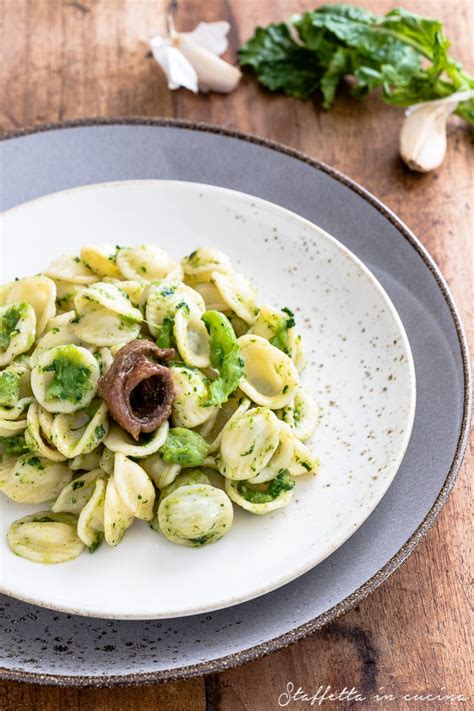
{"x": 360, "y": 372}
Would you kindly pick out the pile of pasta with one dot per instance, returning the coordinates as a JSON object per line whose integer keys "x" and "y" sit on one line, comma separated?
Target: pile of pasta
{"x": 239, "y": 419}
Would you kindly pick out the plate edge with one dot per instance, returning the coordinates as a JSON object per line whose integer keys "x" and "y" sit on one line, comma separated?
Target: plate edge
{"x": 389, "y": 568}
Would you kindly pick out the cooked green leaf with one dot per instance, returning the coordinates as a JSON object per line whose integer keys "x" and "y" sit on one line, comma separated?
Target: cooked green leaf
{"x": 184, "y": 447}
{"x": 225, "y": 357}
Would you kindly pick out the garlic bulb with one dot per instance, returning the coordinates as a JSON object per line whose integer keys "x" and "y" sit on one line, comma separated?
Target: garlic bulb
{"x": 191, "y": 59}
{"x": 423, "y": 133}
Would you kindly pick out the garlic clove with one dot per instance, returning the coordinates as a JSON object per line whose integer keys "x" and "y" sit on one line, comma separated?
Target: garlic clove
{"x": 214, "y": 74}
{"x": 190, "y": 59}
{"x": 423, "y": 140}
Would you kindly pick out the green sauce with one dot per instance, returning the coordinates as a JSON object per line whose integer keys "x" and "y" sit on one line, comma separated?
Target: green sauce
{"x": 9, "y": 388}
{"x": 283, "y": 482}
{"x": 9, "y": 322}
{"x": 71, "y": 378}
{"x": 14, "y": 445}
{"x": 280, "y": 340}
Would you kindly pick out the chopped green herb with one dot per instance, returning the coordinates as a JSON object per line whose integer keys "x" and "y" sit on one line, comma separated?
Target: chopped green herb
{"x": 100, "y": 432}
{"x": 44, "y": 519}
{"x": 35, "y": 462}
{"x": 98, "y": 540}
{"x": 78, "y": 484}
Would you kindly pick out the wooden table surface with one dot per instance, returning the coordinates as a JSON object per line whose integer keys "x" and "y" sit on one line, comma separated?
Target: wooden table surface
{"x": 66, "y": 60}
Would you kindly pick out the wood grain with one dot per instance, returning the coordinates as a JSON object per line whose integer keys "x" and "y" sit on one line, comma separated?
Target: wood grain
{"x": 65, "y": 60}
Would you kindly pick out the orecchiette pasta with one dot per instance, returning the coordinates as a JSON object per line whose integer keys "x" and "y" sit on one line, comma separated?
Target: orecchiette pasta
{"x": 17, "y": 331}
{"x": 191, "y": 394}
{"x": 77, "y": 493}
{"x": 71, "y": 270}
{"x": 147, "y": 263}
{"x": 40, "y": 293}
{"x": 192, "y": 338}
{"x": 270, "y": 377}
{"x": 212, "y": 429}
{"x": 135, "y": 290}
{"x": 264, "y": 498}
{"x": 46, "y": 537}
{"x": 120, "y": 442}
{"x": 101, "y": 327}
{"x": 186, "y": 478}
{"x": 66, "y": 293}
{"x": 90, "y": 525}
{"x": 238, "y": 293}
{"x": 134, "y": 487}
{"x": 117, "y": 516}
{"x": 86, "y": 462}
{"x": 38, "y": 432}
{"x": 160, "y": 472}
{"x": 201, "y": 263}
{"x": 248, "y": 443}
{"x": 101, "y": 260}
{"x": 60, "y": 333}
{"x": 136, "y": 386}
{"x": 279, "y": 327}
{"x": 281, "y": 459}
{"x": 9, "y": 428}
{"x": 34, "y": 480}
{"x": 303, "y": 462}
{"x": 107, "y": 461}
{"x": 302, "y": 414}
{"x": 195, "y": 515}
{"x": 80, "y": 432}
{"x": 111, "y": 297}
{"x": 165, "y": 299}
{"x": 64, "y": 379}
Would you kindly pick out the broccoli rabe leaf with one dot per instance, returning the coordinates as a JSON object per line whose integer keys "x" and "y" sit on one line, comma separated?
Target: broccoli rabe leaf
{"x": 404, "y": 54}
{"x": 225, "y": 357}
{"x": 280, "y": 63}
{"x": 184, "y": 447}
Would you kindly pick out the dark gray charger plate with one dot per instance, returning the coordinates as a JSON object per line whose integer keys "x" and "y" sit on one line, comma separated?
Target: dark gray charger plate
{"x": 48, "y": 647}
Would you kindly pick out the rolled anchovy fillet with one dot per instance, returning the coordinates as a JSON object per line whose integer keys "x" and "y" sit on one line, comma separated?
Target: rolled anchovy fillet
{"x": 138, "y": 388}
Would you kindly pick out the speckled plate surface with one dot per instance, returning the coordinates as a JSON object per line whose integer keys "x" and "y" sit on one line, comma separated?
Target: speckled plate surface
{"x": 36, "y": 644}
{"x": 360, "y": 372}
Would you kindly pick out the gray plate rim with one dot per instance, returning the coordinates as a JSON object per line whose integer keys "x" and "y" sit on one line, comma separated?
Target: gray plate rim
{"x": 257, "y": 651}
